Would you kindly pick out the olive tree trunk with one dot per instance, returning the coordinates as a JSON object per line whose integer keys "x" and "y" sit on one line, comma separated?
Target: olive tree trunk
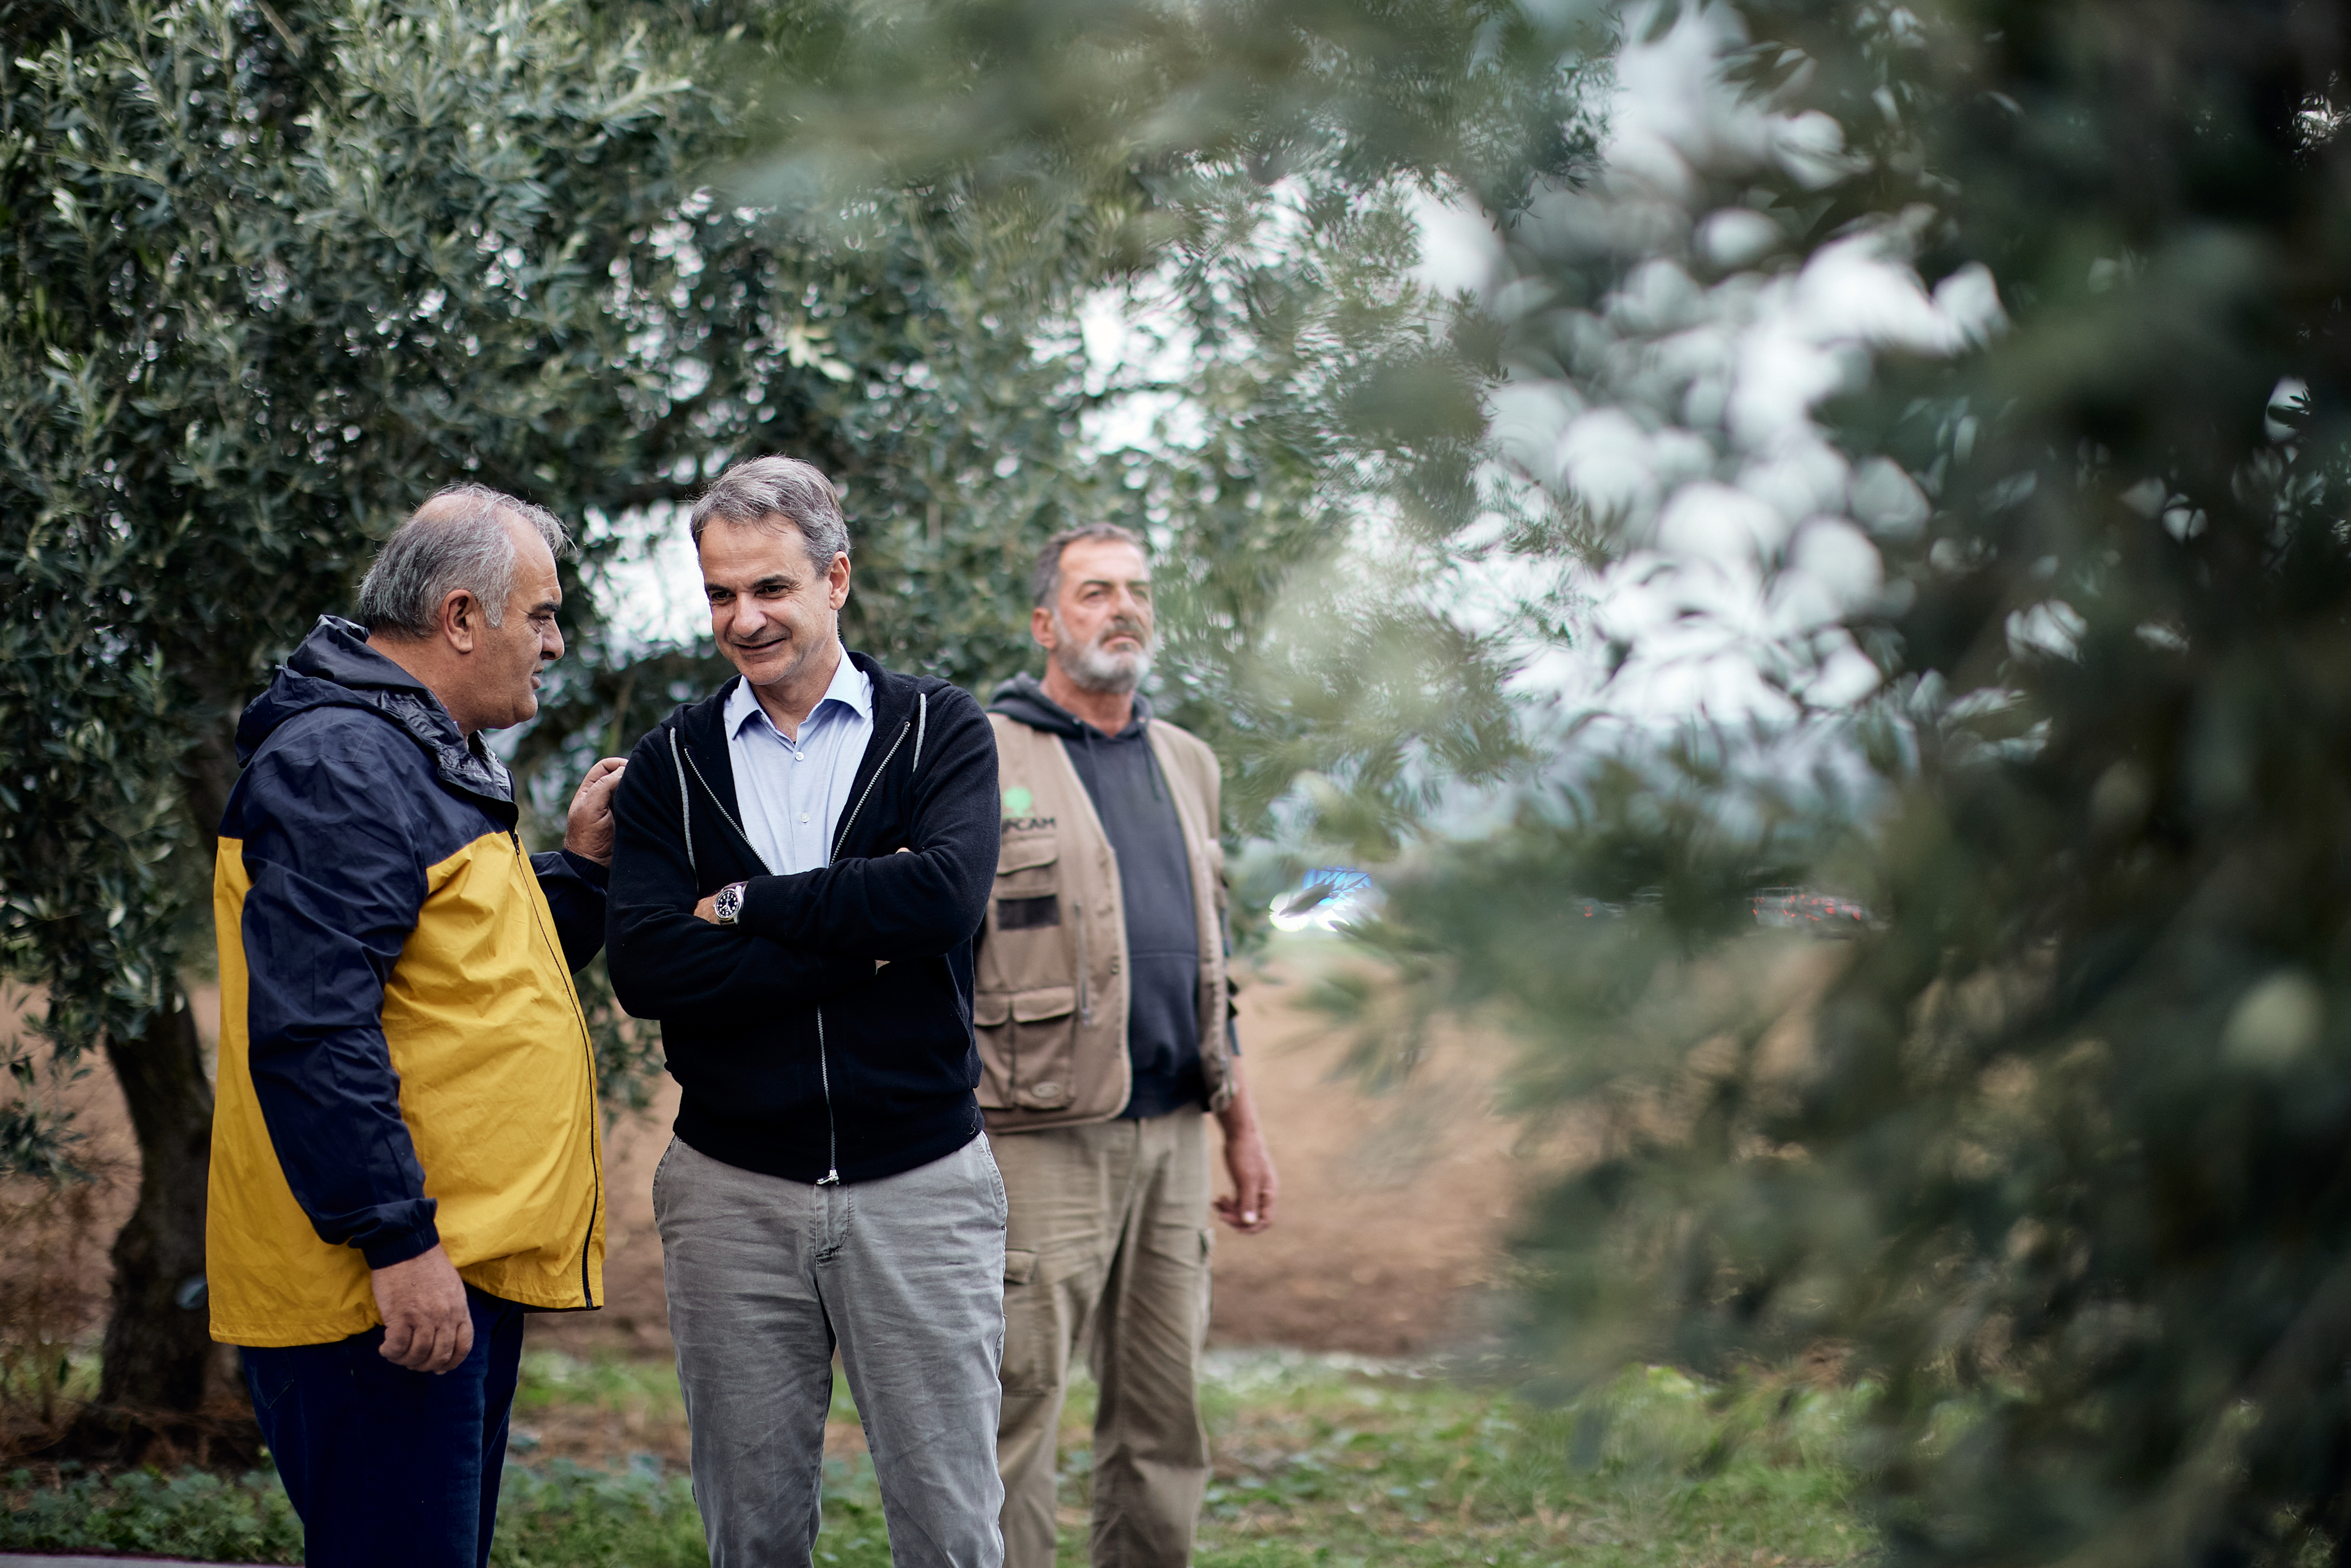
{"x": 158, "y": 1341}
{"x": 161, "y": 1365}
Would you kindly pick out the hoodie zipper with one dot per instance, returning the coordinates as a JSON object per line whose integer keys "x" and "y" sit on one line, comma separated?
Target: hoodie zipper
{"x": 588, "y": 1042}
{"x": 824, "y": 1065}
{"x": 823, "y": 1071}
{"x": 841, "y": 837}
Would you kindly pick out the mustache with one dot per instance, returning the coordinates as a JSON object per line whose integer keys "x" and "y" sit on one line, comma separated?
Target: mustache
{"x": 1134, "y": 629}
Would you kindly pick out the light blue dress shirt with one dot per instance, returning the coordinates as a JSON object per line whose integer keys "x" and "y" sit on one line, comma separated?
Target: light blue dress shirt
{"x": 792, "y": 794}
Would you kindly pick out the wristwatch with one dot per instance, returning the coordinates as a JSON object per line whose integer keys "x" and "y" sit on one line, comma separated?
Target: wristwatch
{"x": 728, "y": 904}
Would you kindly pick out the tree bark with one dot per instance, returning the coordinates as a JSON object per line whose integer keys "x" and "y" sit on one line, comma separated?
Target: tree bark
{"x": 158, "y": 1341}
{"x": 161, "y": 1369}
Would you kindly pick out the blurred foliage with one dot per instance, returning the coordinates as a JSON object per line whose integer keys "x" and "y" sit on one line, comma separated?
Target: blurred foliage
{"x": 2055, "y": 568}
{"x": 1257, "y": 174}
{"x": 2063, "y": 1137}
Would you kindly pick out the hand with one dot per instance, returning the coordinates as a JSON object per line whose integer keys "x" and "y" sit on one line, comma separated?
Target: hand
{"x": 426, "y": 1324}
{"x": 1255, "y": 1187}
{"x": 588, "y": 826}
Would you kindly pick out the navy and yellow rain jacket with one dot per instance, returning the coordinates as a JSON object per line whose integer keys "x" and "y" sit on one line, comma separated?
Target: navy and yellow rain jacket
{"x": 402, "y": 1058}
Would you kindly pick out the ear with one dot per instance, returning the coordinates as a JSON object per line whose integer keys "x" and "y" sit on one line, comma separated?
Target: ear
{"x": 461, "y": 620}
{"x": 837, "y": 582}
{"x": 1040, "y": 628}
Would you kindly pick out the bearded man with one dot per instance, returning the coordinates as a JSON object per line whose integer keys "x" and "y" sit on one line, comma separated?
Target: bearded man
{"x": 1104, "y": 1021}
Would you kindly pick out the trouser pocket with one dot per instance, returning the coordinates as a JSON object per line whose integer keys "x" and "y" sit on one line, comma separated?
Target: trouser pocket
{"x": 1034, "y": 1333}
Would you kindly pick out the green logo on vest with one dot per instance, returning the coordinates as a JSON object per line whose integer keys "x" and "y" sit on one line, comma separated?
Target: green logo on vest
{"x": 1018, "y": 801}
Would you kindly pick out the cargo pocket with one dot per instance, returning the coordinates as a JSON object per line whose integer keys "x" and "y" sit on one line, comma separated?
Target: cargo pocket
{"x": 1025, "y": 869}
{"x": 1041, "y": 1046}
{"x": 1026, "y": 1030}
{"x": 1032, "y": 1335}
{"x": 991, "y": 1017}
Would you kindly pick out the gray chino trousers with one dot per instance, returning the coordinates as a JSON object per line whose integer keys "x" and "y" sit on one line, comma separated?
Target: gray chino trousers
{"x": 907, "y": 1275}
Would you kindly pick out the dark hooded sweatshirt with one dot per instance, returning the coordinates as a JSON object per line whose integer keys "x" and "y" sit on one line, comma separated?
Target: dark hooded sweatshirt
{"x": 1155, "y": 882}
{"x": 797, "y": 1056}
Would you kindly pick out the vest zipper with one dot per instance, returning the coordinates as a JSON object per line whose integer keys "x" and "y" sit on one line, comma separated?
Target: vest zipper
{"x": 587, "y": 1041}
{"x": 1085, "y": 991}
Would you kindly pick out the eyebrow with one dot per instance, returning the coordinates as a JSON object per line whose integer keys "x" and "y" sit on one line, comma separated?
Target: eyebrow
{"x": 548, "y": 606}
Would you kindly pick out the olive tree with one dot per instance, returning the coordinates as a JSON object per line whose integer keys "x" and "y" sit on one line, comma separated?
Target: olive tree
{"x": 269, "y": 274}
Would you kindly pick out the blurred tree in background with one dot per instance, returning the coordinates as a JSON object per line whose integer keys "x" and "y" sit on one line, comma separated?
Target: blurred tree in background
{"x": 1959, "y": 389}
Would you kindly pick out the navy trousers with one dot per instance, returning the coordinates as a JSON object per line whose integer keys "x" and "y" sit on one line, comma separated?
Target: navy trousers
{"x": 387, "y": 1467}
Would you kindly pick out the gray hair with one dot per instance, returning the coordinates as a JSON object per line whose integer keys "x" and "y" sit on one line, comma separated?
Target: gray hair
{"x": 1045, "y": 583}
{"x": 762, "y": 487}
{"x": 457, "y": 539}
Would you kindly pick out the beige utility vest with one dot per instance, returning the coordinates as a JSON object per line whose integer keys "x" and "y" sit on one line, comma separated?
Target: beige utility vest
{"x": 1049, "y": 1001}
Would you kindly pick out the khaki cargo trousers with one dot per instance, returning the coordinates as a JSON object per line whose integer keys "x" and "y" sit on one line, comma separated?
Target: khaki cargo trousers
{"x": 1107, "y": 1247}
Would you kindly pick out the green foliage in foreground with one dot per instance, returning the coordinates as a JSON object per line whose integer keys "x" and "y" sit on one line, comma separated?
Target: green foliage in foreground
{"x": 192, "y": 1514}
{"x": 1319, "y": 1460}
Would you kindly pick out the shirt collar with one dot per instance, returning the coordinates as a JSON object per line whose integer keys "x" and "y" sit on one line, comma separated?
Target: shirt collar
{"x": 852, "y": 687}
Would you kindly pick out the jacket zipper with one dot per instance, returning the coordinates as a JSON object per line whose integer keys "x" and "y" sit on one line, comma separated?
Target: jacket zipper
{"x": 588, "y": 1043}
{"x": 1085, "y": 991}
{"x": 841, "y": 837}
{"x": 831, "y": 1133}
{"x": 723, "y": 814}
{"x": 824, "y": 1065}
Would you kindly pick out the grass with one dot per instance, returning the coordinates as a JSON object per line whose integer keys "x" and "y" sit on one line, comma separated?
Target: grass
{"x": 1321, "y": 1461}
{"x": 1317, "y": 1467}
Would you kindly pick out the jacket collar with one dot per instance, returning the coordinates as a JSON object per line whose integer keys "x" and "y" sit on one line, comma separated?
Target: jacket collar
{"x": 334, "y": 667}
{"x": 1023, "y": 698}
{"x": 850, "y": 688}
{"x": 702, "y": 733}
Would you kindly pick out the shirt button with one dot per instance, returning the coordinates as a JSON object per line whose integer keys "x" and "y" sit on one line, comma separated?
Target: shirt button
{"x": 803, "y": 816}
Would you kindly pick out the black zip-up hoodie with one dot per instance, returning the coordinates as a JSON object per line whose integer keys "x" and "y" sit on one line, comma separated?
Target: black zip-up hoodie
{"x": 797, "y": 1057}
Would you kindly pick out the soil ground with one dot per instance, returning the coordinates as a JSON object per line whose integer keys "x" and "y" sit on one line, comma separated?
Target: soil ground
{"x": 1391, "y": 1213}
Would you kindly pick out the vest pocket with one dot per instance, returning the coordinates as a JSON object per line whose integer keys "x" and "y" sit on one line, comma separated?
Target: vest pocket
{"x": 1027, "y": 1047}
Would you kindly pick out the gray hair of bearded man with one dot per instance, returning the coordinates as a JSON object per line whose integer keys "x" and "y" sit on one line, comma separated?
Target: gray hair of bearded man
{"x": 753, "y": 491}
{"x": 457, "y": 539}
{"x": 1045, "y": 578}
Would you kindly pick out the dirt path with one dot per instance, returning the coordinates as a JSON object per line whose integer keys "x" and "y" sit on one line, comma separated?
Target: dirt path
{"x": 1391, "y": 1207}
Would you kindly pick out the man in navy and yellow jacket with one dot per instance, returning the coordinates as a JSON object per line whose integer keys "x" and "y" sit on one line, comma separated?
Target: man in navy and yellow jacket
{"x": 405, "y": 1154}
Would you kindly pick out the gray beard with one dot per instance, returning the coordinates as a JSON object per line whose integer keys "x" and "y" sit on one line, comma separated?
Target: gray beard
{"x": 1092, "y": 670}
